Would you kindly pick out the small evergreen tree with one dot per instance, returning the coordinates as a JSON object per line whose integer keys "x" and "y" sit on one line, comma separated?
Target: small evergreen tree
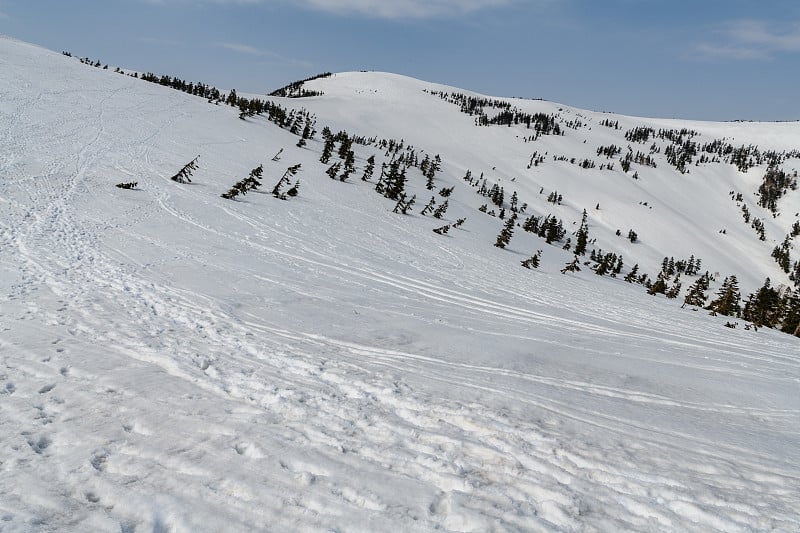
{"x": 630, "y": 277}
{"x": 674, "y": 291}
{"x": 429, "y": 207}
{"x": 333, "y": 170}
{"x": 327, "y": 150}
{"x": 369, "y": 169}
{"x": 728, "y": 298}
{"x": 533, "y": 261}
{"x": 574, "y": 266}
{"x": 696, "y": 295}
{"x": 582, "y": 236}
{"x": 184, "y": 174}
{"x": 660, "y": 285}
{"x": 507, "y": 232}
{"x": 440, "y": 211}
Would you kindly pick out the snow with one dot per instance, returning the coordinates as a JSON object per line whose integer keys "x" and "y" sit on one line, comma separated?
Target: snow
{"x": 173, "y": 361}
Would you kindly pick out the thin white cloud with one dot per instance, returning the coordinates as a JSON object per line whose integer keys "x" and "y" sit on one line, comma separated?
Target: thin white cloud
{"x": 710, "y": 51}
{"x": 374, "y": 8}
{"x": 405, "y": 8}
{"x": 750, "y": 39}
{"x": 771, "y": 37}
{"x": 246, "y": 49}
{"x": 3, "y": 16}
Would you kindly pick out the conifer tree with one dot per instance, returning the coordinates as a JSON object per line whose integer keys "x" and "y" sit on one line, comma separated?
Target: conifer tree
{"x": 333, "y": 170}
{"x": 582, "y": 236}
{"x": 395, "y": 181}
{"x": 440, "y": 211}
{"x": 369, "y": 169}
{"x": 574, "y": 266}
{"x": 277, "y": 191}
{"x": 533, "y": 261}
{"x": 327, "y": 150}
{"x": 765, "y": 307}
{"x": 696, "y": 295}
{"x": 674, "y": 291}
{"x": 404, "y": 205}
{"x": 507, "y": 232}
{"x": 430, "y": 205}
{"x": 445, "y": 192}
{"x": 728, "y": 298}
{"x": 660, "y": 285}
{"x": 791, "y": 320}
{"x": 630, "y": 277}
{"x": 184, "y": 174}
{"x": 602, "y": 267}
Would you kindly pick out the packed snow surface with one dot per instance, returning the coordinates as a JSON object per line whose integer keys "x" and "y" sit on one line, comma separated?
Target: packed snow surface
{"x": 174, "y": 361}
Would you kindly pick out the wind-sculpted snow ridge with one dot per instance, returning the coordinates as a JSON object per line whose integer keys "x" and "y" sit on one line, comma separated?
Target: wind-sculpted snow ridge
{"x": 174, "y": 361}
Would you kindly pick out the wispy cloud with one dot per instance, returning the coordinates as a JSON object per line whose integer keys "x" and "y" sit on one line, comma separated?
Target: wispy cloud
{"x": 3, "y": 16}
{"x": 750, "y": 39}
{"x": 246, "y": 49}
{"x": 405, "y": 8}
{"x": 374, "y": 8}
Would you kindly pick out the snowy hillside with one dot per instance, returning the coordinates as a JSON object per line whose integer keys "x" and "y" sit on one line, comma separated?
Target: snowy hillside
{"x": 673, "y": 214}
{"x": 171, "y": 360}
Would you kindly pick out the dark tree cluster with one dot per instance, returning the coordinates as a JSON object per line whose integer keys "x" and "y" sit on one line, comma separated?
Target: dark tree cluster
{"x": 758, "y": 225}
{"x": 774, "y": 185}
{"x": 767, "y": 306}
{"x": 536, "y": 159}
{"x": 606, "y": 263}
{"x": 608, "y": 124}
{"x": 781, "y": 254}
{"x": 690, "y": 267}
{"x": 639, "y": 158}
{"x": 128, "y": 185}
{"x": 609, "y": 151}
{"x": 296, "y": 89}
{"x": 541, "y": 123}
{"x": 550, "y": 228}
{"x": 392, "y": 181}
{"x": 197, "y": 89}
{"x": 745, "y": 157}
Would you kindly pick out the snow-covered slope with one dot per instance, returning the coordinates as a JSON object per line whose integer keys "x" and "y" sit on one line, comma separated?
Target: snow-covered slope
{"x": 174, "y": 361}
{"x": 673, "y": 214}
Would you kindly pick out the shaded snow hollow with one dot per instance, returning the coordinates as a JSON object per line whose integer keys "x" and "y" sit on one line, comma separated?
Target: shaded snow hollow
{"x": 173, "y": 361}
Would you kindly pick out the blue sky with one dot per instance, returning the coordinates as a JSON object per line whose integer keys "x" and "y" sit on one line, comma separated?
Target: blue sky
{"x": 704, "y": 59}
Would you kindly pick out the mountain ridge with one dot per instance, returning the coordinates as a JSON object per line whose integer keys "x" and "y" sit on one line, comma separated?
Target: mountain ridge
{"x": 174, "y": 360}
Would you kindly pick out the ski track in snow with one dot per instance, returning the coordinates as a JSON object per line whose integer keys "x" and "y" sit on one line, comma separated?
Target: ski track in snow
{"x": 170, "y": 361}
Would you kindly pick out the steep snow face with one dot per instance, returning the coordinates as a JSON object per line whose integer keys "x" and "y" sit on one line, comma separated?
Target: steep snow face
{"x": 673, "y": 214}
{"x": 174, "y": 361}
